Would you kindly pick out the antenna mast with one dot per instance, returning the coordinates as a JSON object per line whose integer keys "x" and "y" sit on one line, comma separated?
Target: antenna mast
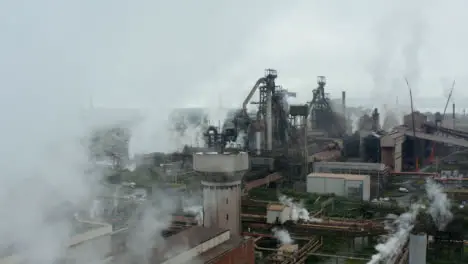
{"x": 448, "y": 100}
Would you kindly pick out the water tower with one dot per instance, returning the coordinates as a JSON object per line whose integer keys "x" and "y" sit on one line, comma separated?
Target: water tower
{"x": 222, "y": 171}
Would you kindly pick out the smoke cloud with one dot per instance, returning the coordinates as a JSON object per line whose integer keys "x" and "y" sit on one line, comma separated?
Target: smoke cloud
{"x": 283, "y": 236}
{"x": 298, "y": 212}
{"x": 395, "y": 242}
{"x": 439, "y": 207}
{"x": 46, "y": 175}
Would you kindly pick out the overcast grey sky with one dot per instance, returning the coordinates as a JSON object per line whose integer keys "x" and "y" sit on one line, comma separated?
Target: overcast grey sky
{"x": 175, "y": 53}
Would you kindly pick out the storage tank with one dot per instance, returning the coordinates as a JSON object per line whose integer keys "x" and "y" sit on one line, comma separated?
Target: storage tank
{"x": 417, "y": 248}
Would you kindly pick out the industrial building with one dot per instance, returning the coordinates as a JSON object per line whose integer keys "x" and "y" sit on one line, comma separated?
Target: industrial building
{"x": 378, "y": 173}
{"x": 278, "y": 213}
{"x": 205, "y": 244}
{"x": 348, "y": 185}
{"x": 92, "y": 241}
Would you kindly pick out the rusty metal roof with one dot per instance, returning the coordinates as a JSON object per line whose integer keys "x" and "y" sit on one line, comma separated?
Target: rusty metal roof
{"x": 185, "y": 240}
{"x": 275, "y": 207}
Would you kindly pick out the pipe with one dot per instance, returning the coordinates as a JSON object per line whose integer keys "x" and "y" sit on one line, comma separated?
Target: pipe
{"x": 337, "y": 256}
{"x": 269, "y": 121}
{"x": 258, "y": 141}
{"x": 252, "y": 92}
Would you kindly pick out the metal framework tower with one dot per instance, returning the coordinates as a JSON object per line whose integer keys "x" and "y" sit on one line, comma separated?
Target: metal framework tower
{"x": 322, "y": 116}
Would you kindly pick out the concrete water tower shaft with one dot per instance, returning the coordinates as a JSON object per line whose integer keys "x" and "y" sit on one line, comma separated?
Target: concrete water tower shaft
{"x": 221, "y": 183}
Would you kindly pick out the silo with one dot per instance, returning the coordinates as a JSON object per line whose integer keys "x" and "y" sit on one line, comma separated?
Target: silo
{"x": 417, "y": 248}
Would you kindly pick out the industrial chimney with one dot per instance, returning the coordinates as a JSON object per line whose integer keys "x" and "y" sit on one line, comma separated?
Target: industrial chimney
{"x": 453, "y": 115}
{"x": 343, "y": 102}
{"x": 417, "y": 248}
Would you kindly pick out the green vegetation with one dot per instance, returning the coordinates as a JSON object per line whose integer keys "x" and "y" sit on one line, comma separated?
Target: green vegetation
{"x": 142, "y": 176}
{"x": 338, "y": 207}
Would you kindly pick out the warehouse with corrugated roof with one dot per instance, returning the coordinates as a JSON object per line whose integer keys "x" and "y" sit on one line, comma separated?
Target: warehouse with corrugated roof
{"x": 352, "y": 186}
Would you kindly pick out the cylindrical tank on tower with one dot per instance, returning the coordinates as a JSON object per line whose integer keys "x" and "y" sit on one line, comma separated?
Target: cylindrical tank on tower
{"x": 221, "y": 182}
{"x": 417, "y": 248}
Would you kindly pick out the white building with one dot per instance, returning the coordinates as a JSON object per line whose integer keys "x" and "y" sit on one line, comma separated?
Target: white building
{"x": 278, "y": 213}
{"x": 93, "y": 243}
{"x": 348, "y": 185}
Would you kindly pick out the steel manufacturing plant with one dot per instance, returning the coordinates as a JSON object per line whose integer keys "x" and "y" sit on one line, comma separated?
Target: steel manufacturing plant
{"x": 286, "y": 183}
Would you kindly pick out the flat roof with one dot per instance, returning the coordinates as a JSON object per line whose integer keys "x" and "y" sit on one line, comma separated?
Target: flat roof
{"x": 185, "y": 240}
{"x": 219, "y": 251}
{"x": 353, "y": 177}
{"x": 83, "y": 227}
{"x": 276, "y": 207}
{"x": 350, "y": 165}
{"x": 441, "y": 139}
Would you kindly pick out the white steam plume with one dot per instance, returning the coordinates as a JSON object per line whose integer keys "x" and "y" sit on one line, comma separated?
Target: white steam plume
{"x": 44, "y": 182}
{"x": 192, "y": 205}
{"x": 396, "y": 240}
{"x": 283, "y": 236}
{"x": 153, "y": 133}
{"x": 146, "y": 231}
{"x": 439, "y": 207}
{"x": 298, "y": 212}
{"x": 197, "y": 211}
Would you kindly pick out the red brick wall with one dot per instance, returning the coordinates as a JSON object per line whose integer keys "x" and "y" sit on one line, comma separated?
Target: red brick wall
{"x": 244, "y": 254}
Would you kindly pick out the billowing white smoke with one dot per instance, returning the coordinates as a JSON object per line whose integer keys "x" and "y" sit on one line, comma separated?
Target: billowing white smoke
{"x": 197, "y": 210}
{"x": 43, "y": 180}
{"x": 391, "y": 118}
{"x": 152, "y": 133}
{"x": 283, "y": 236}
{"x": 439, "y": 207}
{"x": 95, "y": 210}
{"x": 153, "y": 217}
{"x": 192, "y": 136}
{"x": 395, "y": 242}
{"x": 298, "y": 212}
{"x": 240, "y": 141}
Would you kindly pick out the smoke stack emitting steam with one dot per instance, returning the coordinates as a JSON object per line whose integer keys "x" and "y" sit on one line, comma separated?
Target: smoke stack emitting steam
{"x": 298, "y": 212}
{"x": 283, "y": 236}
{"x": 439, "y": 209}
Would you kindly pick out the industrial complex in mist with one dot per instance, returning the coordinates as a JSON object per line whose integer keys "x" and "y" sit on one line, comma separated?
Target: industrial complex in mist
{"x": 144, "y": 138}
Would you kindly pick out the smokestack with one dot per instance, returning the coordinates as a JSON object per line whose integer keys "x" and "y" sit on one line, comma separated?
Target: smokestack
{"x": 453, "y": 115}
{"x": 343, "y": 102}
{"x": 269, "y": 122}
{"x": 417, "y": 248}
